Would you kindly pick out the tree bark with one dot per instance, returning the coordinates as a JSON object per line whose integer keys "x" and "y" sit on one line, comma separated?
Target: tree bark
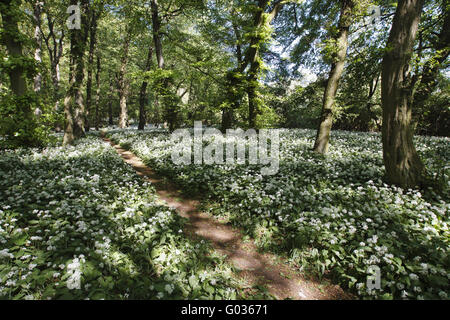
{"x": 13, "y": 44}
{"x": 123, "y": 83}
{"x": 261, "y": 18}
{"x": 233, "y": 97}
{"x": 403, "y": 165}
{"x": 169, "y": 106}
{"x": 73, "y": 103}
{"x": 97, "y": 93}
{"x": 321, "y": 144}
{"x": 252, "y": 58}
{"x": 429, "y": 77}
{"x": 55, "y": 50}
{"x": 37, "y": 8}
{"x": 143, "y": 92}
{"x": 156, "y": 23}
{"x": 92, "y": 46}
{"x": 110, "y": 103}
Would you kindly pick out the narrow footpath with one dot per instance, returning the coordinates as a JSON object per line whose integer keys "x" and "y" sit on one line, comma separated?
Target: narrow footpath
{"x": 257, "y": 269}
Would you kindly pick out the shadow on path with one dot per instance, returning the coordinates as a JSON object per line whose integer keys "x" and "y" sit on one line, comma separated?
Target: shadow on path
{"x": 266, "y": 270}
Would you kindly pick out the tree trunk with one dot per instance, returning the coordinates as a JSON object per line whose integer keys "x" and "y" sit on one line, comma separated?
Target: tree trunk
{"x": 261, "y": 19}
{"x": 403, "y": 165}
{"x": 123, "y": 84}
{"x": 37, "y": 8}
{"x": 156, "y": 23}
{"x": 165, "y": 86}
{"x": 92, "y": 45}
{"x": 97, "y": 93}
{"x": 73, "y": 102}
{"x": 110, "y": 103}
{"x": 429, "y": 77}
{"x": 12, "y": 42}
{"x": 143, "y": 91}
{"x": 252, "y": 57}
{"x": 321, "y": 144}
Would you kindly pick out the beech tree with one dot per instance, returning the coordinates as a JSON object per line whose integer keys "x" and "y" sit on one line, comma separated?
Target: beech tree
{"x": 340, "y": 45}
{"x": 403, "y": 165}
{"x": 74, "y": 107}
{"x": 17, "y": 121}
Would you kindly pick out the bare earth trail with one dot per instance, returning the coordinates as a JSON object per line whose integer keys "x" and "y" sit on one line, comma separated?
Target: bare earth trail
{"x": 265, "y": 270}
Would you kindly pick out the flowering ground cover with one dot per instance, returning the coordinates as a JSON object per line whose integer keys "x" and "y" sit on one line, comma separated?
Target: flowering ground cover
{"x": 77, "y": 223}
{"x": 331, "y": 215}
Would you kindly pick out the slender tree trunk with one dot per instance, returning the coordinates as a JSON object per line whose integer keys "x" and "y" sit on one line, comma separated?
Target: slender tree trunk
{"x": 261, "y": 19}
{"x": 73, "y": 102}
{"x": 321, "y": 144}
{"x": 156, "y": 23}
{"x": 123, "y": 84}
{"x": 110, "y": 103}
{"x": 92, "y": 45}
{"x": 37, "y": 8}
{"x": 403, "y": 165}
{"x": 168, "y": 104}
{"x": 233, "y": 84}
{"x": 54, "y": 42}
{"x": 143, "y": 91}
{"x": 97, "y": 93}
{"x": 429, "y": 77}
{"x": 253, "y": 90}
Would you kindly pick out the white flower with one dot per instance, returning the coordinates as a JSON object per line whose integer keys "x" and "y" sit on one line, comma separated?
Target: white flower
{"x": 74, "y": 270}
{"x": 5, "y": 254}
{"x": 169, "y": 288}
{"x": 413, "y": 276}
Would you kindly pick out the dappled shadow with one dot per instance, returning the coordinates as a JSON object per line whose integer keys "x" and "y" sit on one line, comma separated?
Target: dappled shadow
{"x": 60, "y": 209}
{"x": 342, "y": 181}
{"x": 257, "y": 268}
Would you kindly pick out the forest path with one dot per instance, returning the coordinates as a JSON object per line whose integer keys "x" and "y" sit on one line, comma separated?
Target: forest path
{"x": 257, "y": 269}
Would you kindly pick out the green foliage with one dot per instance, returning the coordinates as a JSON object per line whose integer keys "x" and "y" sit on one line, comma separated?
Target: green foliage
{"x": 17, "y": 125}
{"x": 300, "y": 108}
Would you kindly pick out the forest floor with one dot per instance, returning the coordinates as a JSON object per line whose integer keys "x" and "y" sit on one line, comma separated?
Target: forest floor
{"x": 261, "y": 270}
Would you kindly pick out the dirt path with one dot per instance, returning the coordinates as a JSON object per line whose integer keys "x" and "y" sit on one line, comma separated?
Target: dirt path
{"x": 265, "y": 270}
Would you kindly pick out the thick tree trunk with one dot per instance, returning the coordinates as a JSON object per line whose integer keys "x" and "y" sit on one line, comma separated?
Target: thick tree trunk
{"x": 232, "y": 99}
{"x": 252, "y": 58}
{"x": 321, "y": 144}
{"x": 403, "y": 165}
{"x": 143, "y": 91}
{"x": 13, "y": 44}
{"x": 73, "y": 102}
{"x": 123, "y": 83}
